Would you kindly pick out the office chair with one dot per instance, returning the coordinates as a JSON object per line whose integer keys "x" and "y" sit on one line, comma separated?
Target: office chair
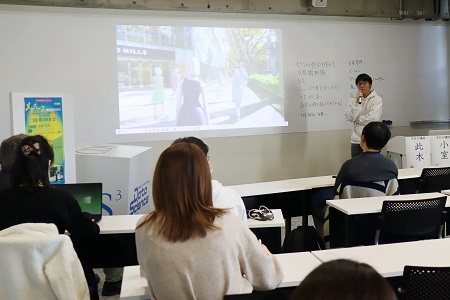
{"x": 434, "y": 180}
{"x": 425, "y": 283}
{"x": 411, "y": 220}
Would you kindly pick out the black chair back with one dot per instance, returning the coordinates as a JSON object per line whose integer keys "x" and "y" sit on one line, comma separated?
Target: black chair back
{"x": 411, "y": 220}
{"x": 434, "y": 180}
{"x": 425, "y": 283}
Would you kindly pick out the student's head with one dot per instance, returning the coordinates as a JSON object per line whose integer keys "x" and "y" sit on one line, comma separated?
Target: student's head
{"x": 344, "y": 279}
{"x": 375, "y": 135}
{"x": 8, "y": 151}
{"x": 363, "y": 78}
{"x": 199, "y": 143}
{"x": 182, "y": 193}
{"x": 193, "y": 140}
{"x": 33, "y": 158}
{"x": 363, "y": 82}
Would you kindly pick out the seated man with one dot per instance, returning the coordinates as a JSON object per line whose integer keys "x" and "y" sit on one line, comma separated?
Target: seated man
{"x": 223, "y": 197}
{"x": 368, "y": 175}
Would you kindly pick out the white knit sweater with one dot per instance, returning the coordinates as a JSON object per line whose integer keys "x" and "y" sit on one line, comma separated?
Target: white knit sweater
{"x": 37, "y": 262}
{"x": 226, "y": 261}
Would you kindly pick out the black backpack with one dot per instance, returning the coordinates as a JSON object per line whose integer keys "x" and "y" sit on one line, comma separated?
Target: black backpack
{"x": 302, "y": 238}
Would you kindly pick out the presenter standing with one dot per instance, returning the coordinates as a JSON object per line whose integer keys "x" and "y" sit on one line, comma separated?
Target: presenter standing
{"x": 366, "y": 107}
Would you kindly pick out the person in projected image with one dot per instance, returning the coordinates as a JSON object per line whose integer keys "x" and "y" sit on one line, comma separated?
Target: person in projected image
{"x": 238, "y": 88}
{"x": 159, "y": 95}
{"x": 175, "y": 80}
{"x": 192, "y": 106}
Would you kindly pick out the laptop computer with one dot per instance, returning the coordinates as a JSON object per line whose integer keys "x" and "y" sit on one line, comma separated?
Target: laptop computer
{"x": 88, "y": 195}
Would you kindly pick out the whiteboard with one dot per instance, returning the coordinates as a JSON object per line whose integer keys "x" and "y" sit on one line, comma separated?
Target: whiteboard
{"x": 61, "y": 50}
{"x": 407, "y": 62}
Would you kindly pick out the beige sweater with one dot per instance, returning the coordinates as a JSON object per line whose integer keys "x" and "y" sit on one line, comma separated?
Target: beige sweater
{"x": 226, "y": 261}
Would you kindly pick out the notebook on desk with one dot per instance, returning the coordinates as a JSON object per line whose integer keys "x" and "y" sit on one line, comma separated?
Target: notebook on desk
{"x": 88, "y": 195}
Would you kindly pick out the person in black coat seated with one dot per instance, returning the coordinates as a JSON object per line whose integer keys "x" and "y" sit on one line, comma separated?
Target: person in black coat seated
{"x": 32, "y": 199}
{"x": 7, "y": 156}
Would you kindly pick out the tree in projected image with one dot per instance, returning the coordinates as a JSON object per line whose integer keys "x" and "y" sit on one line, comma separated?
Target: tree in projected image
{"x": 255, "y": 49}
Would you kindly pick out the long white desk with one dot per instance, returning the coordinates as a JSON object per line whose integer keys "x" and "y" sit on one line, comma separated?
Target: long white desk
{"x": 282, "y": 186}
{"x": 345, "y": 212}
{"x": 273, "y": 193}
{"x": 390, "y": 259}
{"x": 296, "y": 266}
{"x": 268, "y": 231}
{"x": 301, "y": 184}
{"x": 117, "y": 224}
{"x": 370, "y": 205}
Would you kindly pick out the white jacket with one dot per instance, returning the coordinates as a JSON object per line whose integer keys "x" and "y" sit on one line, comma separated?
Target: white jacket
{"x": 37, "y": 262}
{"x": 225, "y": 197}
{"x": 362, "y": 114}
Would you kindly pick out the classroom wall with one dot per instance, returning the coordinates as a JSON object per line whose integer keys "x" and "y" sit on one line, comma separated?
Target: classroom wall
{"x": 236, "y": 160}
{"x": 239, "y": 160}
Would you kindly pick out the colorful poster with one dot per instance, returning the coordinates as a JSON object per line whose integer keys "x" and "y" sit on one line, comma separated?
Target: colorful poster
{"x": 44, "y": 116}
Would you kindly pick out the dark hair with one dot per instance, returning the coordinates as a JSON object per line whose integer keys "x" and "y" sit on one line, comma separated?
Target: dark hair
{"x": 8, "y": 151}
{"x": 193, "y": 140}
{"x": 31, "y": 165}
{"x": 182, "y": 194}
{"x": 376, "y": 135}
{"x": 363, "y": 77}
{"x": 344, "y": 279}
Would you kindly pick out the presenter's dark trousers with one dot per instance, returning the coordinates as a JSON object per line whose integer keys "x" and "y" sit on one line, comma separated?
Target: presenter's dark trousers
{"x": 356, "y": 150}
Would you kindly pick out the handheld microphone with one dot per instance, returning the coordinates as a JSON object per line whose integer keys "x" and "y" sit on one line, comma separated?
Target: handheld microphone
{"x": 360, "y": 99}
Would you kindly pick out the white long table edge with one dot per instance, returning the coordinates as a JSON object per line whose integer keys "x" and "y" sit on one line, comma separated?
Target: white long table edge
{"x": 118, "y": 224}
{"x": 296, "y": 266}
{"x": 357, "y": 206}
{"x": 390, "y": 259}
{"x": 303, "y": 184}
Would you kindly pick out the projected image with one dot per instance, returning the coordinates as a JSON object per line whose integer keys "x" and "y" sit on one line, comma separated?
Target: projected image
{"x": 175, "y": 78}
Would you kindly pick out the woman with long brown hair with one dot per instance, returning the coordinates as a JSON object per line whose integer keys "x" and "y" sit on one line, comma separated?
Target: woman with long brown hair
{"x": 187, "y": 249}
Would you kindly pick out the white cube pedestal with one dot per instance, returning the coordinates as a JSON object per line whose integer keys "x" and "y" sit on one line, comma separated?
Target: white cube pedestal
{"x": 125, "y": 171}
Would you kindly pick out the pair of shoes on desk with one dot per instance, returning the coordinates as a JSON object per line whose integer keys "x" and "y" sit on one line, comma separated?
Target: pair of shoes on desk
{"x": 261, "y": 214}
{"x": 111, "y": 288}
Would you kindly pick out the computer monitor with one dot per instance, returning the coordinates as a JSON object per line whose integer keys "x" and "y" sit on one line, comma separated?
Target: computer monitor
{"x": 88, "y": 195}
